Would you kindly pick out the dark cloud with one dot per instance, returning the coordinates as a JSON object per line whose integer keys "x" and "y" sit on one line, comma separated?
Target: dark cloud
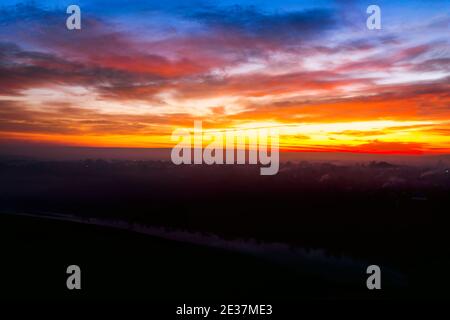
{"x": 20, "y": 70}
{"x": 63, "y": 118}
{"x": 275, "y": 27}
{"x": 438, "y": 64}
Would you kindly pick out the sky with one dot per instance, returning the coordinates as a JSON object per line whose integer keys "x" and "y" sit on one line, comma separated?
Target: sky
{"x": 138, "y": 70}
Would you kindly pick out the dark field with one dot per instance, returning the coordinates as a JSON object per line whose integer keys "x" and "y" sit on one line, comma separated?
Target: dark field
{"x": 223, "y": 232}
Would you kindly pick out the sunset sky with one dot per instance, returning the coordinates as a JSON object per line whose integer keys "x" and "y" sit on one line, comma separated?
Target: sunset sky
{"x": 137, "y": 70}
